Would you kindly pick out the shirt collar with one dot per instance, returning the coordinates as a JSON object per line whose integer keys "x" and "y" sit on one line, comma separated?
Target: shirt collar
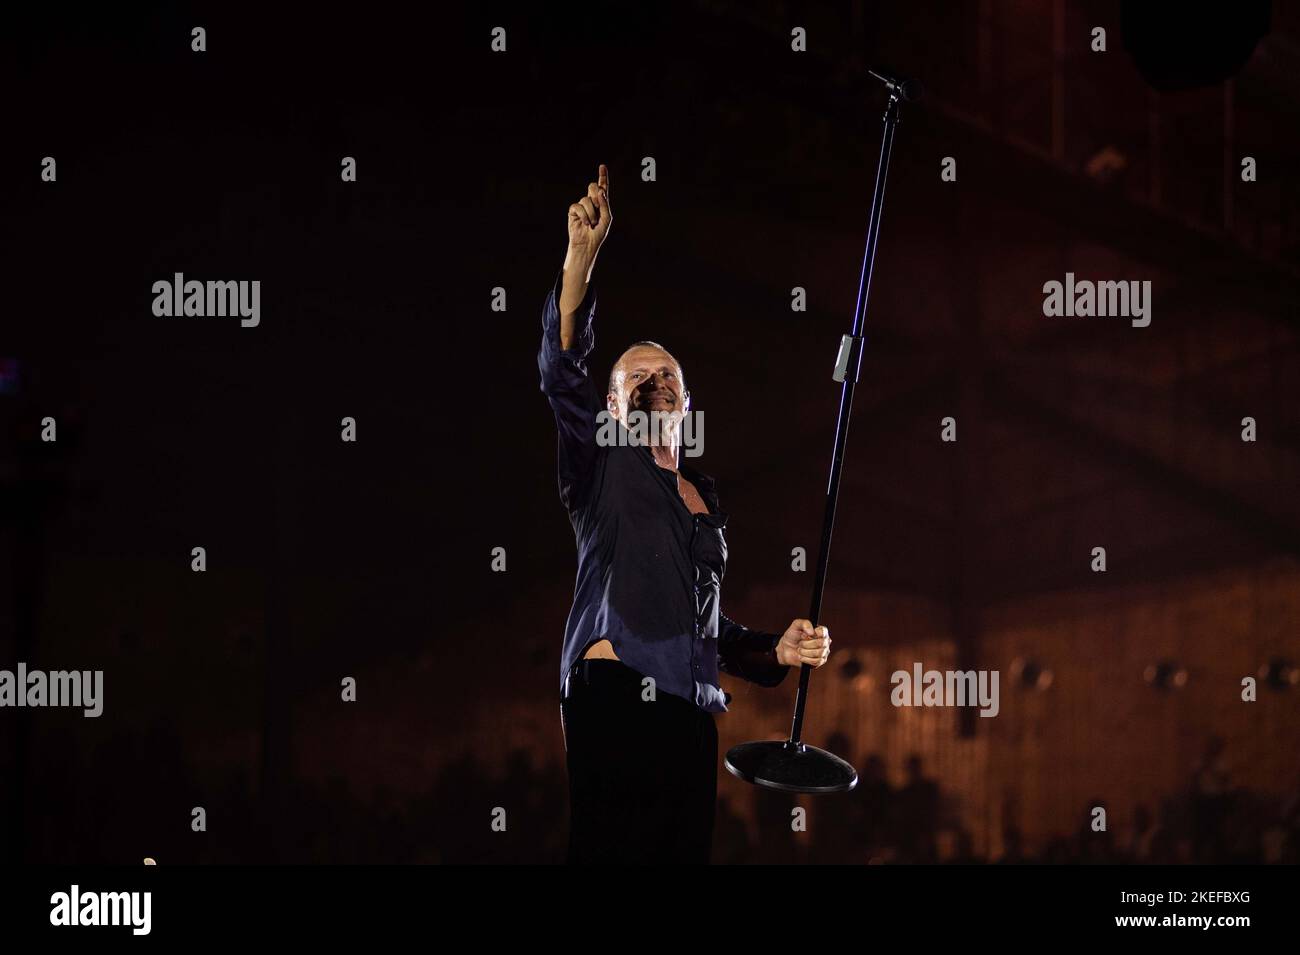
{"x": 704, "y": 484}
{"x": 698, "y": 478}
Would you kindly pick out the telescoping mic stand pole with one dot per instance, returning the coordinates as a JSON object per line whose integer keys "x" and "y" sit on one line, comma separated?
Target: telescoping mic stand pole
{"x": 793, "y": 765}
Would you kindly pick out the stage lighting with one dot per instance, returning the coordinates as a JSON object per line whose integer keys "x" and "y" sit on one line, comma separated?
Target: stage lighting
{"x": 1031, "y": 674}
{"x": 1279, "y": 674}
{"x": 1165, "y": 675}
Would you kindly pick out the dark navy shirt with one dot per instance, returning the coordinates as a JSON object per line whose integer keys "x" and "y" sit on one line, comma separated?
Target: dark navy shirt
{"x": 649, "y": 571}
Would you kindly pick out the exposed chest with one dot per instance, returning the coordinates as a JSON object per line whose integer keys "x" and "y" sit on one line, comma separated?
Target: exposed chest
{"x": 635, "y": 493}
{"x": 691, "y": 497}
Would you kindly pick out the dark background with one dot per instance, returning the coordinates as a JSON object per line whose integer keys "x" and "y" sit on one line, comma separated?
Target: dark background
{"x": 372, "y": 560}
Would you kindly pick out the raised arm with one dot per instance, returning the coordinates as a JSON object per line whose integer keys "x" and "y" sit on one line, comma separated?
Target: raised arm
{"x": 567, "y": 340}
{"x": 590, "y": 220}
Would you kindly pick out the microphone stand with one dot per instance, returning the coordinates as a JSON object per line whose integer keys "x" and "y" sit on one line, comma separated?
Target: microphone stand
{"x": 792, "y": 765}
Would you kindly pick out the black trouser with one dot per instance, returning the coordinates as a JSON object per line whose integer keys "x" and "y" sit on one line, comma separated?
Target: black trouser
{"x": 643, "y": 776}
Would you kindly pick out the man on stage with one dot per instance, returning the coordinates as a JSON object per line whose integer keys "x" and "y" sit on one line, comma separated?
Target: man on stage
{"x": 646, "y": 637}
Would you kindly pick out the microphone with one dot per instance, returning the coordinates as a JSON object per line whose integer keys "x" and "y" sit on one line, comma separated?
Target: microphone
{"x": 900, "y": 86}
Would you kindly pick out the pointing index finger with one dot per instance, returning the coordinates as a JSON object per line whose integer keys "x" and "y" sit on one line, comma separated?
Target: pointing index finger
{"x": 602, "y": 177}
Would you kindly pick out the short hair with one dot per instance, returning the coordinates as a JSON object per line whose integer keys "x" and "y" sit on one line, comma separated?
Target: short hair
{"x": 646, "y": 342}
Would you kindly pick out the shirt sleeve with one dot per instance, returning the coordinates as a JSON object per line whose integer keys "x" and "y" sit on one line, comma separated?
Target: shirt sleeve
{"x": 749, "y": 654}
{"x": 573, "y": 396}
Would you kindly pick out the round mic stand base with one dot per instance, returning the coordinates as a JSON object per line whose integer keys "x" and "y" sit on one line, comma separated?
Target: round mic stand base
{"x": 791, "y": 767}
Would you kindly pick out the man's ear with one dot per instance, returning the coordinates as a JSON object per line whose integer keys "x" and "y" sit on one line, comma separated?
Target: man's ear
{"x": 611, "y": 402}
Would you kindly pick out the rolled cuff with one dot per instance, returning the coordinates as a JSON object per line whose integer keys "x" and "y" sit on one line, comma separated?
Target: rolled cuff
{"x": 584, "y": 339}
{"x": 749, "y": 654}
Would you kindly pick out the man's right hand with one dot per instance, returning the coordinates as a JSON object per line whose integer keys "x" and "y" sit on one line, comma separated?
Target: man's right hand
{"x": 590, "y": 219}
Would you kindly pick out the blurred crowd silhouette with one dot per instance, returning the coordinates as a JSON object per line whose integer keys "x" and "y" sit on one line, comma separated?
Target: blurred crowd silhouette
{"x": 1207, "y": 821}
